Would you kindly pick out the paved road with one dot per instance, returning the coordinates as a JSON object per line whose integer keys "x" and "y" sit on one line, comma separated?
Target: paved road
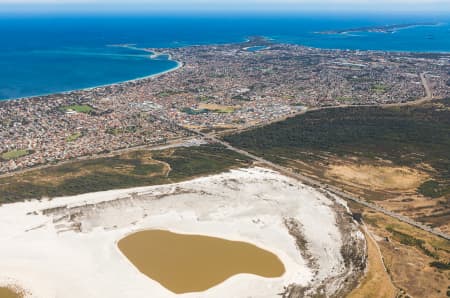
{"x": 329, "y": 188}
{"x": 428, "y": 96}
{"x": 211, "y": 137}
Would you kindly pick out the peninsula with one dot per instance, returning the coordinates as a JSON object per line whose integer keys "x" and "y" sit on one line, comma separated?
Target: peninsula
{"x": 378, "y": 29}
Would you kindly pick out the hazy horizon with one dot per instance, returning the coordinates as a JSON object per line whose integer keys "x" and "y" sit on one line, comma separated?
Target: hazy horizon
{"x": 439, "y": 7}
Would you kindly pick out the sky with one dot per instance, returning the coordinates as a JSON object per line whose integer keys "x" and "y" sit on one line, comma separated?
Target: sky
{"x": 388, "y": 6}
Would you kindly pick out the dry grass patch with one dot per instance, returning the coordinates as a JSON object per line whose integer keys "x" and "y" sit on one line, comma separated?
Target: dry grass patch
{"x": 130, "y": 164}
{"x": 217, "y": 108}
{"x": 408, "y": 252}
{"x": 434, "y": 212}
{"x": 132, "y": 169}
{"x": 386, "y": 178}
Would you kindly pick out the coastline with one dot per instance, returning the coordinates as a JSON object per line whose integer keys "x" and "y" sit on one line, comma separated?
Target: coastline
{"x": 154, "y": 75}
{"x": 381, "y": 29}
{"x": 155, "y": 55}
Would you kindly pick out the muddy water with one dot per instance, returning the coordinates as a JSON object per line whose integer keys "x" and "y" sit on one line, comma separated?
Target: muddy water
{"x": 7, "y": 293}
{"x": 193, "y": 263}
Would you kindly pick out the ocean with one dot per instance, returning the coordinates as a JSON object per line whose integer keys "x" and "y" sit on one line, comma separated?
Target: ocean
{"x": 48, "y": 54}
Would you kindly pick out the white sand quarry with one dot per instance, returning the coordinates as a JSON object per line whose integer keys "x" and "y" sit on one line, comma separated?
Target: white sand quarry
{"x": 66, "y": 247}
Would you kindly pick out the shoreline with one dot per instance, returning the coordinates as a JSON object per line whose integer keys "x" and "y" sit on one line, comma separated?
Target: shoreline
{"x": 381, "y": 29}
{"x": 281, "y": 255}
{"x": 179, "y": 64}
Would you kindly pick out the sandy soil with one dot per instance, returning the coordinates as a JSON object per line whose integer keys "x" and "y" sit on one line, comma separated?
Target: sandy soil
{"x": 67, "y": 247}
{"x": 376, "y": 283}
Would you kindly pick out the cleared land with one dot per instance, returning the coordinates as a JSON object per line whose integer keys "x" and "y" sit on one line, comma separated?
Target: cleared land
{"x": 137, "y": 168}
{"x": 78, "y": 108}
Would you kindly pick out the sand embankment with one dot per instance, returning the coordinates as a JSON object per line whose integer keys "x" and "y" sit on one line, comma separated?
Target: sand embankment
{"x": 67, "y": 247}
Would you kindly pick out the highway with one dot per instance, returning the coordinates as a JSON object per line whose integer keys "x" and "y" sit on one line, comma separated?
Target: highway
{"x": 212, "y": 137}
{"x": 330, "y": 188}
{"x": 428, "y": 96}
{"x": 339, "y": 192}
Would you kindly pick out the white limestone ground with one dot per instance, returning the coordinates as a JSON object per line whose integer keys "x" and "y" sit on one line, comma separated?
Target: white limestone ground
{"x": 67, "y": 247}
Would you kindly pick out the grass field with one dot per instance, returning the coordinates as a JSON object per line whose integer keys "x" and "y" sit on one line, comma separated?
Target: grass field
{"x": 73, "y": 137}
{"x": 13, "y": 154}
{"x": 136, "y": 168}
{"x": 78, "y": 108}
{"x": 217, "y": 108}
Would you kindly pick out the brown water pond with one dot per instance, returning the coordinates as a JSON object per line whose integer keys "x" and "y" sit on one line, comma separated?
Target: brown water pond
{"x": 8, "y": 293}
{"x": 193, "y": 263}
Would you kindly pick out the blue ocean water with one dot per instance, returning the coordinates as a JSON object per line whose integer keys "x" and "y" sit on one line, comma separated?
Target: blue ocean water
{"x": 47, "y": 54}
